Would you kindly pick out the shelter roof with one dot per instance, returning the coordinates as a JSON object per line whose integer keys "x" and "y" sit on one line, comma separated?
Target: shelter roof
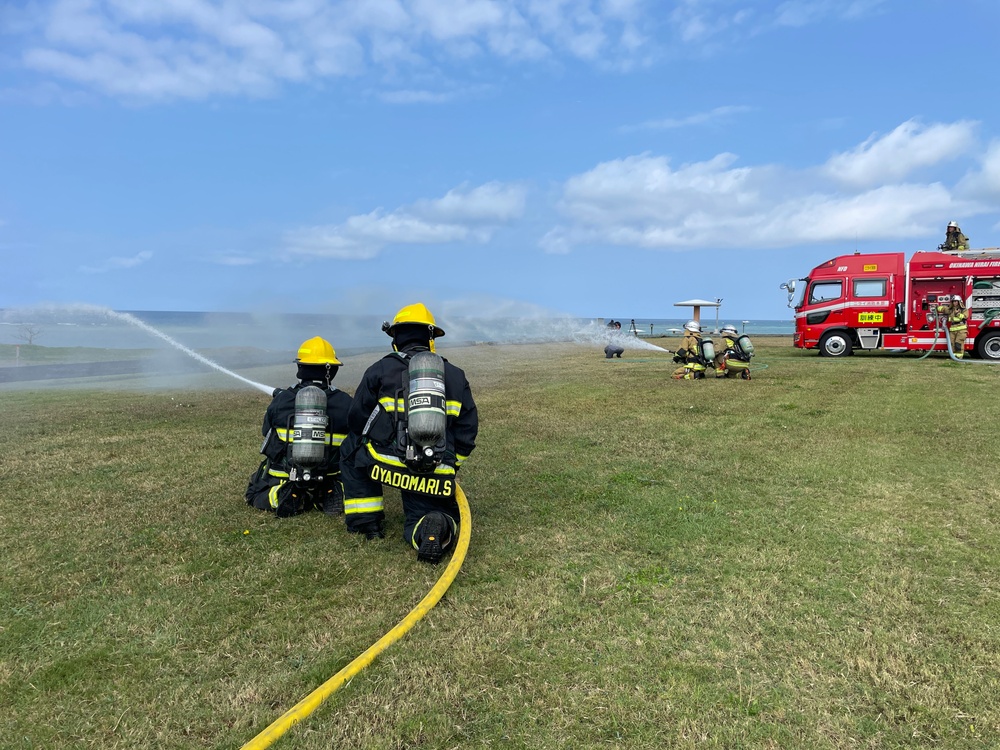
{"x": 698, "y": 303}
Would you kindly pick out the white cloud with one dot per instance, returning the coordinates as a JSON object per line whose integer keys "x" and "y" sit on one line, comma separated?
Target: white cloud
{"x": 462, "y": 215}
{"x": 864, "y": 193}
{"x": 492, "y": 203}
{"x": 906, "y": 149}
{"x": 117, "y": 263}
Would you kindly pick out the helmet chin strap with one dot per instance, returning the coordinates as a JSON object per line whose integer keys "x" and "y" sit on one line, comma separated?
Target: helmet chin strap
{"x": 430, "y": 345}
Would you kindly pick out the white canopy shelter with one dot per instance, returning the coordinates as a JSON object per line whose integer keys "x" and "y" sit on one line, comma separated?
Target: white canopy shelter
{"x": 697, "y": 304}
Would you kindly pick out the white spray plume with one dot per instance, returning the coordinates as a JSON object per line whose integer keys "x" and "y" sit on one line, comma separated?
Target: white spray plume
{"x": 190, "y": 352}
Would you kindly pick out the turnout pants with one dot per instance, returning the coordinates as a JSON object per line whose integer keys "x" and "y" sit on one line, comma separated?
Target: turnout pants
{"x": 364, "y": 503}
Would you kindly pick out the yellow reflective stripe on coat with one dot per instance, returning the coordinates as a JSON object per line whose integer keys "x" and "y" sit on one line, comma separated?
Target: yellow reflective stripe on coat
{"x": 453, "y": 408}
{"x": 459, "y": 460}
{"x": 336, "y": 439}
{"x": 391, "y": 404}
{"x": 362, "y": 505}
{"x": 393, "y": 461}
{"x": 277, "y": 473}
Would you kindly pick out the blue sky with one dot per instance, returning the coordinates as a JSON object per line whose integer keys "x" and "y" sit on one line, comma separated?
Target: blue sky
{"x": 601, "y": 158}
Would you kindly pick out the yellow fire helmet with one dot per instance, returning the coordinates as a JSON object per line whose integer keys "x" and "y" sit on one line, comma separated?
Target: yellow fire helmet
{"x": 418, "y": 314}
{"x": 317, "y": 351}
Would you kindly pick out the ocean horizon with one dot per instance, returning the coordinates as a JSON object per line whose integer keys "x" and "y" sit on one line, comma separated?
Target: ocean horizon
{"x": 129, "y": 329}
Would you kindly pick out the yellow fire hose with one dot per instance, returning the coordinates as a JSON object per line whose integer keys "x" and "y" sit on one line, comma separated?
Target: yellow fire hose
{"x": 311, "y": 702}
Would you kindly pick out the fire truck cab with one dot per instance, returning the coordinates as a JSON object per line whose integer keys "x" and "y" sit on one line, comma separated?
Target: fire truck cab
{"x": 881, "y": 301}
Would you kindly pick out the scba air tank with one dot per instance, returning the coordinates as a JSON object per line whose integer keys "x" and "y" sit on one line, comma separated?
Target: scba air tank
{"x": 745, "y": 344}
{"x": 309, "y": 427}
{"x": 426, "y": 412}
{"x": 708, "y": 349}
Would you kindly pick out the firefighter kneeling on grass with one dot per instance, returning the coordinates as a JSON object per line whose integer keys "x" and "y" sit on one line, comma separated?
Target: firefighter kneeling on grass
{"x": 691, "y": 355}
{"x": 412, "y": 423}
{"x": 303, "y": 428}
{"x": 737, "y": 351}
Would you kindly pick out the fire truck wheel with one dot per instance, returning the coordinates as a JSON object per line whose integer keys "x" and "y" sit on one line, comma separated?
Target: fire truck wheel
{"x": 988, "y": 346}
{"x": 835, "y": 344}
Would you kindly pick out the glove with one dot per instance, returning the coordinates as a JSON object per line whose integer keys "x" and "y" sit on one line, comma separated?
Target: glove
{"x": 289, "y": 501}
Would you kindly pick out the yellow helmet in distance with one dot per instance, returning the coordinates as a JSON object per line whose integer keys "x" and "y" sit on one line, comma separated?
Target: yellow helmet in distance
{"x": 414, "y": 314}
{"x": 317, "y": 351}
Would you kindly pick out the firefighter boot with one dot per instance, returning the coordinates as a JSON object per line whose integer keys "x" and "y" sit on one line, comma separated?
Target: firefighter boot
{"x": 434, "y": 532}
{"x": 333, "y": 501}
{"x": 371, "y": 530}
{"x": 745, "y": 374}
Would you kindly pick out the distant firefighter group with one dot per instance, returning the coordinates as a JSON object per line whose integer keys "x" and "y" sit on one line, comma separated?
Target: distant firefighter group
{"x": 697, "y": 354}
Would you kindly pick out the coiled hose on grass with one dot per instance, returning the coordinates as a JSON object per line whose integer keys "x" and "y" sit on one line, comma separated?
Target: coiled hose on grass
{"x": 311, "y": 702}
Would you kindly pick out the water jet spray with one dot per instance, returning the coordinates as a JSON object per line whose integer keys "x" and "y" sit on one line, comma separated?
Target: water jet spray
{"x": 132, "y": 320}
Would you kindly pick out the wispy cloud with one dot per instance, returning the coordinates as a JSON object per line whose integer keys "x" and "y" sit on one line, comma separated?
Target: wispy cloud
{"x": 699, "y": 118}
{"x": 464, "y": 214}
{"x": 415, "y": 97}
{"x": 806, "y": 12}
{"x": 153, "y": 50}
{"x": 118, "y": 263}
{"x": 234, "y": 260}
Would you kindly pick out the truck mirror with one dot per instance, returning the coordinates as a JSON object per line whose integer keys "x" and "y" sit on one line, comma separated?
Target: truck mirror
{"x": 789, "y": 286}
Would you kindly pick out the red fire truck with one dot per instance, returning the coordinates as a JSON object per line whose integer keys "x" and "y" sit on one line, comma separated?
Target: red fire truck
{"x": 882, "y": 301}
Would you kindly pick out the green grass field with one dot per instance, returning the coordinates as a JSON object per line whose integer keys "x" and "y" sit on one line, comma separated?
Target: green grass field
{"x": 805, "y": 560}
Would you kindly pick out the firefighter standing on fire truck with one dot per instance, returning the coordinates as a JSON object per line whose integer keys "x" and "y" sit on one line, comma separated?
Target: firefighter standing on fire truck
{"x": 271, "y": 487}
{"x": 957, "y": 319}
{"x": 954, "y": 240}
{"x": 692, "y": 364}
{"x": 375, "y": 451}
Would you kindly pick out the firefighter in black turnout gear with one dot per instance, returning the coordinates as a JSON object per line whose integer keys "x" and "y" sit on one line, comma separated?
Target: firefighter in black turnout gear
{"x": 413, "y": 422}
{"x": 303, "y": 429}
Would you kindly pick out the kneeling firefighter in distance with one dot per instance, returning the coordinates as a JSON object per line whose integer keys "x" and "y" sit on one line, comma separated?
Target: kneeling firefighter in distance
{"x": 737, "y": 351}
{"x": 303, "y": 428}
{"x": 413, "y": 422}
{"x": 694, "y": 355}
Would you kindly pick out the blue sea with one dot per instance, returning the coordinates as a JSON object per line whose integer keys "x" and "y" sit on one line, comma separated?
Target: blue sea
{"x": 84, "y": 326}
